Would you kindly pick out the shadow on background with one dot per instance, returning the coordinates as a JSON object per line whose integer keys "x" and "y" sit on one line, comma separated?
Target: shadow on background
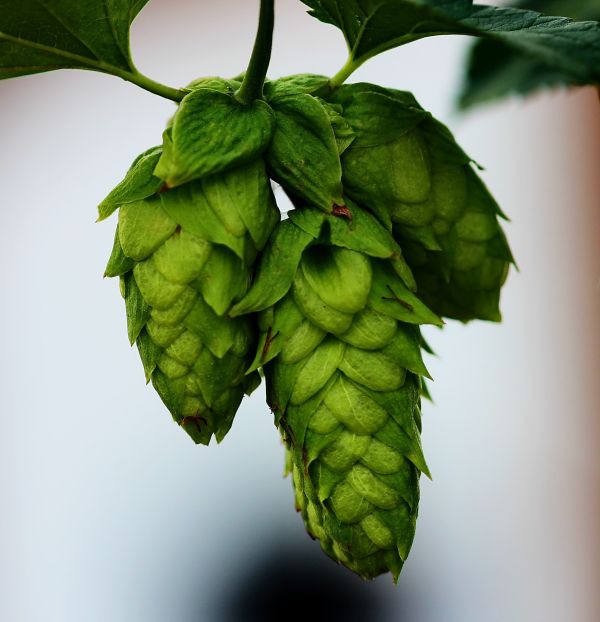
{"x": 289, "y": 582}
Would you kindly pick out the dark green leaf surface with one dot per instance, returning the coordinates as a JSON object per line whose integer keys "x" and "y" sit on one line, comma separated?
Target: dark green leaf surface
{"x": 496, "y": 70}
{"x": 43, "y": 35}
{"x": 373, "y": 26}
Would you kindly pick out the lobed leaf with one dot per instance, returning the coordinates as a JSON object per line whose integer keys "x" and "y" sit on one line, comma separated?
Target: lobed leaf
{"x": 496, "y": 70}
{"x": 373, "y": 26}
{"x": 44, "y": 35}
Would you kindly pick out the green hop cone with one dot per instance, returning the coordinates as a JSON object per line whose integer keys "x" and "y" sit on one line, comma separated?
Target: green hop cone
{"x": 406, "y": 168}
{"x": 185, "y": 255}
{"x": 341, "y": 352}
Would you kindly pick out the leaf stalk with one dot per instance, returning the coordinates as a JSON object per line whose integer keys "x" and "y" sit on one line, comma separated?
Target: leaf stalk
{"x": 157, "y": 88}
{"x": 344, "y": 73}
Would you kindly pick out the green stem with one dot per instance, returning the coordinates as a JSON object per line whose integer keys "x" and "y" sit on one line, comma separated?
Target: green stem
{"x": 252, "y": 86}
{"x": 344, "y": 73}
{"x": 155, "y": 87}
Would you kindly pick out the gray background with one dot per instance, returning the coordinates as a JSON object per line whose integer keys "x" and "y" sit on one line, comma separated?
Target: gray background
{"x": 109, "y": 512}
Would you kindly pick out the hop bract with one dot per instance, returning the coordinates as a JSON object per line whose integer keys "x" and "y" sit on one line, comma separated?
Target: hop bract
{"x": 340, "y": 348}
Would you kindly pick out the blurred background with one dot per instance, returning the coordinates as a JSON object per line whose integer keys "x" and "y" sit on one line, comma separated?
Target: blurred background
{"x": 109, "y": 512}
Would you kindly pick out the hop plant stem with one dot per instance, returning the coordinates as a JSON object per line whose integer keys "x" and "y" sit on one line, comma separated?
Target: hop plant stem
{"x": 343, "y": 74}
{"x": 252, "y": 86}
{"x": 152, "y": 86}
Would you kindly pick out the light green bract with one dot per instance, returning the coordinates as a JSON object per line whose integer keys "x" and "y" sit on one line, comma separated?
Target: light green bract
{"x": 341, "y": 351}
{"x": 184, "y": 256}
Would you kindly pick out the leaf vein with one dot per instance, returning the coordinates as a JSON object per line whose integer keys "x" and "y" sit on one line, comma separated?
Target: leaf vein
{"x": 59, "y": 20}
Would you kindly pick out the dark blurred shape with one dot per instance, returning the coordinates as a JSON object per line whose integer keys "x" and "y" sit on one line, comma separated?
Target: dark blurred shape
{"x": 291, "y": 582}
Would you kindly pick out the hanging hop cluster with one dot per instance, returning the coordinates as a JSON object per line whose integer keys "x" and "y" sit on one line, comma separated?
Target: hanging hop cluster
{"x": 392, "y": 229}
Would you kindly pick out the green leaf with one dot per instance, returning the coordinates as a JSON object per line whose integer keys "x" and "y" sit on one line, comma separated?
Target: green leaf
{"x": 373, "y": 26}
{"x": 213, "y": 132}
{"x": 496, "y": 70}
{"x": 216, "y": 84}
{"x": 44, "y": 35}
{"x": 303, "y": 155}
{"x": 216, "y": 331}
{"x": 40, "y": 35}
{"x": 139, "y": 183}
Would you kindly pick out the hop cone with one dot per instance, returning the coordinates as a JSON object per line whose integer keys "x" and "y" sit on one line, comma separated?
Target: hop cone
{"x": 184, "y": 256}
{"x": 340, "y": 349}
{"x": 193, "y": 215}
{"x": 406, "y": 168}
